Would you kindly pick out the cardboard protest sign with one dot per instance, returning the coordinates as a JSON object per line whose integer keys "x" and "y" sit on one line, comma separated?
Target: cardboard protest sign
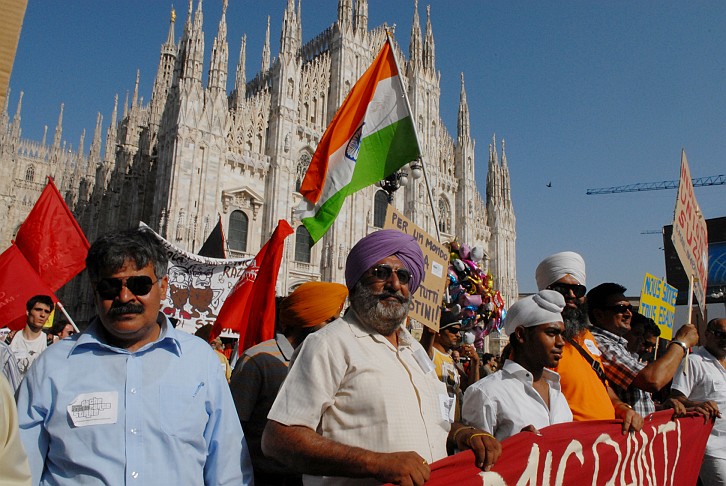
{"x": 690, "y": 235}
{"x": 658, "y": 302}
{"x": 426, "y": 301}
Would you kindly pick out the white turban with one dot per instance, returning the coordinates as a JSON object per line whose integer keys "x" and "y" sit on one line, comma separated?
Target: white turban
{"x": 541, "y": 308}
{"x": 556, "y": 266}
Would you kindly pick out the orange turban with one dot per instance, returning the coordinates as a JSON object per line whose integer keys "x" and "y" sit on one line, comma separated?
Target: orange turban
{"x": 312, "y": 303}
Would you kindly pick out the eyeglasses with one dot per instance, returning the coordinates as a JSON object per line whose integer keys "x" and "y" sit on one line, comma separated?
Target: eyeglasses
{"x": 453, "y": 330}
{"x": 109, "y": 288}
{"x": 717, "y": 334}
{"x": 620, "y": 308}
{"x": 384, "y": 272}
{"x": 565, "y": 289}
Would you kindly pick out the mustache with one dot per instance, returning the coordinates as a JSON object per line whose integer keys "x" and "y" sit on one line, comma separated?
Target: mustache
{"x": 129, "y": 308}
{"x": 396, "y": 295}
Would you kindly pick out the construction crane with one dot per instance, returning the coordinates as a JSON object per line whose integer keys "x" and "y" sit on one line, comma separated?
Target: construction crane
{"x": 656, "y": 186}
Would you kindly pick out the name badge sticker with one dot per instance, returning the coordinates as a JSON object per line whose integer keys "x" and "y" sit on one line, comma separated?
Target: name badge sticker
{"x": 95, "y": 408}
{"x": 592, "y": 347}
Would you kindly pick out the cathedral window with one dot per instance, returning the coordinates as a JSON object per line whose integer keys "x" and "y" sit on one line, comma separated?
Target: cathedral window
{"x": 380, "y": 205}
{"x": 302, "y": 167}
{"x": 30, "y": 174}
{"x": 238, "y": 226}
{"x": 444, "y": 215}
{"x": 303, "y": 245}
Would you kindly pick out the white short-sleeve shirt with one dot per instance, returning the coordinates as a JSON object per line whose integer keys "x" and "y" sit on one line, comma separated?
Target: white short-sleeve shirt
{"x": 351, "y": 385}
{"x": 505, "y": 402}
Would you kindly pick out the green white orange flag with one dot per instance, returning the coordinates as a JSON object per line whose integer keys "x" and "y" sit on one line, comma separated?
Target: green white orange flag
{"x": 371, "y": 136}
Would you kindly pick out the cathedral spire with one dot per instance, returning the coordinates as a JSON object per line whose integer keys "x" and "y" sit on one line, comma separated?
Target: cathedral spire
{"x": 240, "y": 81}
{"x": 110, "y": 154}
{"x": 94, "y": 156}
{"x": 58, "y": 130}
{"x": 266, "y": 49}
{"x": 164, "y": 73}
{"x": 345, "y": 14}
{"x": 135, "y": 98}
{"x": 45, "y": 135}
{"x": 463, "y": 128}
{"x": 15, "y": 128}
{"x": 289, "y": 35}
{"x": 429, "y": 57}
{"x": 217, "y": 79}
{"x": 414, "y": 48}
{"x": 361, "y": 16}
{"x": 126, "y": 105}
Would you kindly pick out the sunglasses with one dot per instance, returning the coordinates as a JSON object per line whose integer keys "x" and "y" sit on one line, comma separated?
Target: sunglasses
{"x": 109, "y": 288}
{"x": 620, "y": 308}
{"x": 565, "y": 289}
{"x": 384, "y": 272}
{"x": 717, "y": 334}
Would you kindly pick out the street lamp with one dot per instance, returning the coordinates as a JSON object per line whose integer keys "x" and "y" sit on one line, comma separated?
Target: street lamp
{"x": 399, "y": 178}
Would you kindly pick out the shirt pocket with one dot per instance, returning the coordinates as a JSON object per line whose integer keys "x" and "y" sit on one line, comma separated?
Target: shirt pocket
{"x": 183, "y": 409}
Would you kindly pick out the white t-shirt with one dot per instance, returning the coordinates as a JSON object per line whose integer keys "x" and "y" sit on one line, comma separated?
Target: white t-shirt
{"x": 26, "y": 351}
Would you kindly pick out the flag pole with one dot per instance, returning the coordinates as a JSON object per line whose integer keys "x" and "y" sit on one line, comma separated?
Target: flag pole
{"x": 63, "y": 310}
{"x": 690, "y": 318}
{"x": 415, "y": 133}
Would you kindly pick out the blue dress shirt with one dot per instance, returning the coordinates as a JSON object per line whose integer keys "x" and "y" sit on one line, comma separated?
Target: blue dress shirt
{"x": 175, "y": 421}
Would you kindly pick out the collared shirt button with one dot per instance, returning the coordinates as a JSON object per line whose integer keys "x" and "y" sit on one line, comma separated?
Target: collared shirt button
{"x": 133, "y": 391}
{"x": 134, "y": 475}
{"x": 133, "y": 430}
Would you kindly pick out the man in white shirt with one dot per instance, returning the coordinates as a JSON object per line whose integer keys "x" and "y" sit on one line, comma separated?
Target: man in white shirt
{"x": 524, "y": 395}
{"x": 362, "y": 399}
{"x": 704, "y": 387}
{"x": 31, "y": 341}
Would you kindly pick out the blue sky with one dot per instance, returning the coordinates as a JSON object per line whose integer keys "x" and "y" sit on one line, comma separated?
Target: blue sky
{"x": 586, "y": 94}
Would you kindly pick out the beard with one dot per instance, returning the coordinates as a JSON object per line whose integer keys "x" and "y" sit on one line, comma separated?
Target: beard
{"x": 575, "y": 320}
{"x": 384, "y": 317}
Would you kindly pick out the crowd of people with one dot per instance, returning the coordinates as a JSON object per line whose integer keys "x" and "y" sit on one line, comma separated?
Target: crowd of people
{"x": 343, "y": 394}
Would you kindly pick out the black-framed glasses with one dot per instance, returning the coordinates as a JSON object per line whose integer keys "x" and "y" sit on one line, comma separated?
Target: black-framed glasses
{"x": 384, "y": 272}
{"x": 565, "y": 289}
{"x": 620, "y": 308}
{"x": 717, "y": 334}
{"x": 139, "y": 285}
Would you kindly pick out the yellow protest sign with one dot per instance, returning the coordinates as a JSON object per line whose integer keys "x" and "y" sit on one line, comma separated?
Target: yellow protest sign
{"x": 426, "y": 301}
{"x": 658, "y": 302}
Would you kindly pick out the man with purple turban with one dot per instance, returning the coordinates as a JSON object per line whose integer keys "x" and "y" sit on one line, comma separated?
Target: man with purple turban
{"x": 362, "y": 399}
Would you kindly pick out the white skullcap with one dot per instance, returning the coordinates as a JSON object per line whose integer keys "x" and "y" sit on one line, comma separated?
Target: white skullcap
{"x": 541, "y": 308}
{"x": 556, "y": 266}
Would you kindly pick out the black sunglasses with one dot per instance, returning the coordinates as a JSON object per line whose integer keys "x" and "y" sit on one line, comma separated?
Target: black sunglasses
{"x": 384, "y": 272}
{"x": 565, "y": 289}
{"x": 717, "y": 334}
{"x": 109, "y": 288}
{"x": 620, "y": 308}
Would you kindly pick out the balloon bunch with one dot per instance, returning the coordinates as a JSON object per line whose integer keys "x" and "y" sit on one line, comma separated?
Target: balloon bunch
{"x": 471, "y": 292}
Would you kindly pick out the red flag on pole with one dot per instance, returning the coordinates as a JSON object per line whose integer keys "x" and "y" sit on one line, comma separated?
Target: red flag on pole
{"x": 253, "y": 298}
{"x": 51, "y": 240}
{"x": 18, "y": 283}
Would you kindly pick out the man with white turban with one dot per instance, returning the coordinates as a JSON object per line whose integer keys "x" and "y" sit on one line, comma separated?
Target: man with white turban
{"x": 362, "y": 399}
{"x": 525, "y": 395}
{"x": 581, "y": 371}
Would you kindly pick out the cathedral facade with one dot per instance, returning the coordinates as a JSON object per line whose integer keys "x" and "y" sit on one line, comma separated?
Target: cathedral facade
{"x": 194, "y": 152}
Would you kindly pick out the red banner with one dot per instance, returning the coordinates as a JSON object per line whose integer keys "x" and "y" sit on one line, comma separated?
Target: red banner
{"x": 665, "y": 452}
{"x": 51, "y": 239}
{"x": 18, "y": 283}
{"x": 252, "y": 300}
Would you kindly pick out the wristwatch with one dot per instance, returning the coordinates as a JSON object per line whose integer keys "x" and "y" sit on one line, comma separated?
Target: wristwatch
{"x": 681, "y": 344}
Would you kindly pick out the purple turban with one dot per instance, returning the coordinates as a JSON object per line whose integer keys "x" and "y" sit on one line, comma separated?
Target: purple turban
{"x": 382, "y": 244}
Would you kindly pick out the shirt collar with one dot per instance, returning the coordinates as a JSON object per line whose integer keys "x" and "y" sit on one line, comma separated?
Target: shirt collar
{"x": 521, "y": 374}
{"x": 361, "y": 330}
{"x": 609, "y": 335}
{"x": 95, "y": 336}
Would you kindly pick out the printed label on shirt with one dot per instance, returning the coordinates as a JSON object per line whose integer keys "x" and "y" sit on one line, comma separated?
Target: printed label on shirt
{"x": 447, "y": 407}
{"x": 592, "y": 347}
{"x": 94, "y": 408}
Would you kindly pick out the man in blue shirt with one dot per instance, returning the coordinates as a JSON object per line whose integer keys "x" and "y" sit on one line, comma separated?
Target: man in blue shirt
{"x": 130, "y": 400}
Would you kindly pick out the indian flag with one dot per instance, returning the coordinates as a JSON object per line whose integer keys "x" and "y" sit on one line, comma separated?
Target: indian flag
{"x": 371, "y": 136}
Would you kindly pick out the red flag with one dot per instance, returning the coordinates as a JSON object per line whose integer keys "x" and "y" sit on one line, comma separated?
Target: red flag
{"x": 18, "y": 283}
{"x": 51, "y": 240}
{"x": 253, "y": 298}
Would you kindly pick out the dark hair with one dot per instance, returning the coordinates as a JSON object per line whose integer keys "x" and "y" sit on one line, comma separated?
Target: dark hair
{"x": 110, "y": 252}
{"x": 651, "y": 328}
{"x": 597, "y": 298}
{"x": 43, "y": 299}
{"x": 712, "y": 323}
{"x": 486, "y": 357}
